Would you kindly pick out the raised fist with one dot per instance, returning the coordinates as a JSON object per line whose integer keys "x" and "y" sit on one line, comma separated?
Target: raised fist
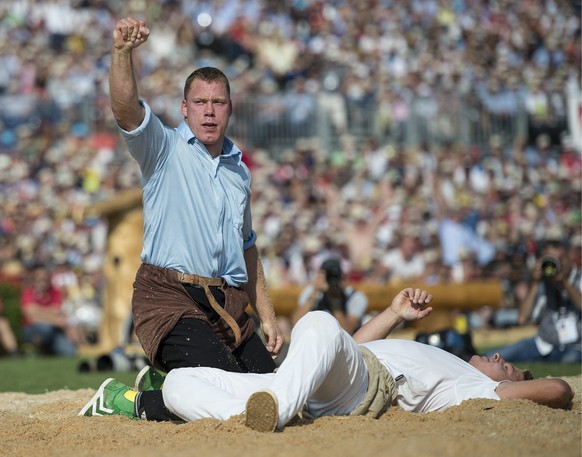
{"x": 130, "y": 33}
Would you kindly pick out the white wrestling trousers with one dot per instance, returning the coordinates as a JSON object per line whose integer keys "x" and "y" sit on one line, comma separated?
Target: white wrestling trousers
{"x": 324, "y": 370}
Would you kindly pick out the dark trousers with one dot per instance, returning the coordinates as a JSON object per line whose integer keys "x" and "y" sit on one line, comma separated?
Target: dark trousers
{"x": 192, "y": 343}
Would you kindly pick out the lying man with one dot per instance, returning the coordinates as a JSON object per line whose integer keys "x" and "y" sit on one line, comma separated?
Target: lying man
{"x": 327, "y": 372}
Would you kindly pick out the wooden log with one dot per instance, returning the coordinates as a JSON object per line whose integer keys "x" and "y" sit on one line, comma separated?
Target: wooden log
{"x": 449, "y": 300}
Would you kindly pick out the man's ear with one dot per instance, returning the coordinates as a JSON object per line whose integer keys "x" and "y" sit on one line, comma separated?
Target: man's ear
{"x": 184, "y": 110}
{"x": 230, "y": 107}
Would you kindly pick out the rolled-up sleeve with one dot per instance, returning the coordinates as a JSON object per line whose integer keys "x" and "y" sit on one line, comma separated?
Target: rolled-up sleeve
{"x": 250, "y": 241}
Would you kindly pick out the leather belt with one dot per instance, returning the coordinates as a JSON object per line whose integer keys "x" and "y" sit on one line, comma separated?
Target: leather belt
{"x": 196, "y": 280}
{"x": 206, "y": 283}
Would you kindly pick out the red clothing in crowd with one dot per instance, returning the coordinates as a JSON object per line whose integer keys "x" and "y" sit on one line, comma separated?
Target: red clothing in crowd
{"x": 31, "y": 296}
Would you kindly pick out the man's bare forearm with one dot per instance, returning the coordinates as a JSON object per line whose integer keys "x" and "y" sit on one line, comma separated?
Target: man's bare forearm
{"x": 379, "y": 327}
{"x": 128, "y": 34}
{"x": 552, "y": 392}
{"x": 123, "y": 90}
{"x": 260, "y": 300}
{"x": 256, "y": 287}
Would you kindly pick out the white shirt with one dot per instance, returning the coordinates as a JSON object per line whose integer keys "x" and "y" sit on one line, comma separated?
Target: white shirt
{"x": 428, "y": 378}
{"x": 401, "y": 267}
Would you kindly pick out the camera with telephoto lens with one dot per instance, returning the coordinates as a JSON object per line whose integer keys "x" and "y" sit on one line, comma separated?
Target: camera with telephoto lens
{"x": 334, "y": 297}
{"x": 550, "y": 266}
{"x": 333, "y": 273}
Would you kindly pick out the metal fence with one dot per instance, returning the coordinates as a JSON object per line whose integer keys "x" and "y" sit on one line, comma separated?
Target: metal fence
{"x": 276, "y": 122}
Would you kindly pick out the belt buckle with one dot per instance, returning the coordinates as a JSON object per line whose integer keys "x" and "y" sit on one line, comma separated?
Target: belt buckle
{"x": 182, "y": 277}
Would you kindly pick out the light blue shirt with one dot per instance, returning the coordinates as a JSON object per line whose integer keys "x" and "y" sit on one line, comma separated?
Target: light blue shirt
{"x": 197, "y": 216}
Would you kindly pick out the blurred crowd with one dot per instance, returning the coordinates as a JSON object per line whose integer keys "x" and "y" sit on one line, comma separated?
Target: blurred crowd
{"x": 432, "y": 211}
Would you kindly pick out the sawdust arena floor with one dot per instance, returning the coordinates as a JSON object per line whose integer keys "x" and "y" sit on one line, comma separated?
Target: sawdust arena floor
{"x": 48, "y": 425}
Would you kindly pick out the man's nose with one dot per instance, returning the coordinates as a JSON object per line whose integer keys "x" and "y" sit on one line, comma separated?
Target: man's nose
{"x": 497, "y": 357}
{"x": 209, "y": 109}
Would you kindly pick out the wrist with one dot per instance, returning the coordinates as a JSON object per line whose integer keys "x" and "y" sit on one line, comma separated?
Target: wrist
{"x": 267, "y": 318}
{"x": 122, "y": 52}
{"x": 398, "y": 316}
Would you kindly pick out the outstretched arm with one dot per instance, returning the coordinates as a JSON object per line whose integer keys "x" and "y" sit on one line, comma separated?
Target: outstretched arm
{"x": 409, "y": 305}
{"x": 552, "y": 392}
{"x": 129, "y": 33}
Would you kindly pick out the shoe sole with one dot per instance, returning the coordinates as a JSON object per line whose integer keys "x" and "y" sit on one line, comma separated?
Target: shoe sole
{"x": 96, "y": 402}
{"x": 262, "y": 412}
{"x": 141, "y": 376}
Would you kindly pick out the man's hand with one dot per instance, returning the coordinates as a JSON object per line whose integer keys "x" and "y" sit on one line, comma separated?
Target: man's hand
{"x": 537, "y": 273}
{"x": 130, "y": 33}
{"x": 319, "y": 282}
{"x": 273, "y": 337}
{"x": 410, "y": 304}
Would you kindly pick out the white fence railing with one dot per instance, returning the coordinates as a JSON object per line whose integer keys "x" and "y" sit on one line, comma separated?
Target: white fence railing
{"x": 275, "y": 122}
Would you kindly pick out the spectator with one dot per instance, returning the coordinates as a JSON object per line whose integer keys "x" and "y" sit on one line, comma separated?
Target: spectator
{"x": 301, "y": 109}
{"x": 328, "y": 292}
{"x": 553, "y": 302}
{"x": 405, "y": 262}
{"x": 456, "y": 236}
{"x": 46, "y": 326}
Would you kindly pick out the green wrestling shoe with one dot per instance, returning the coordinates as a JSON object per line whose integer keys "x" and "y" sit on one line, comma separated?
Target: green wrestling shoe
{"x": 149, "y": 379}
{"x": 112, "y": 398}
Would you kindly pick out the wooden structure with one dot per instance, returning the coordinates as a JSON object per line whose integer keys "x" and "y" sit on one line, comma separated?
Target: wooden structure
{"x": 124, "y": 241}
{"x": 448, "y": 300}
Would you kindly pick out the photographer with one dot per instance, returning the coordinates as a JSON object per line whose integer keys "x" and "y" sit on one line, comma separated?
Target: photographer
{"x": 553, "y": 302}
{"x": 327, "y": 292}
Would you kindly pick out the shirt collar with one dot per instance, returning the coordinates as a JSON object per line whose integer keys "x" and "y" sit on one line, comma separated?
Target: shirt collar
{"x": 229, "y": 149}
